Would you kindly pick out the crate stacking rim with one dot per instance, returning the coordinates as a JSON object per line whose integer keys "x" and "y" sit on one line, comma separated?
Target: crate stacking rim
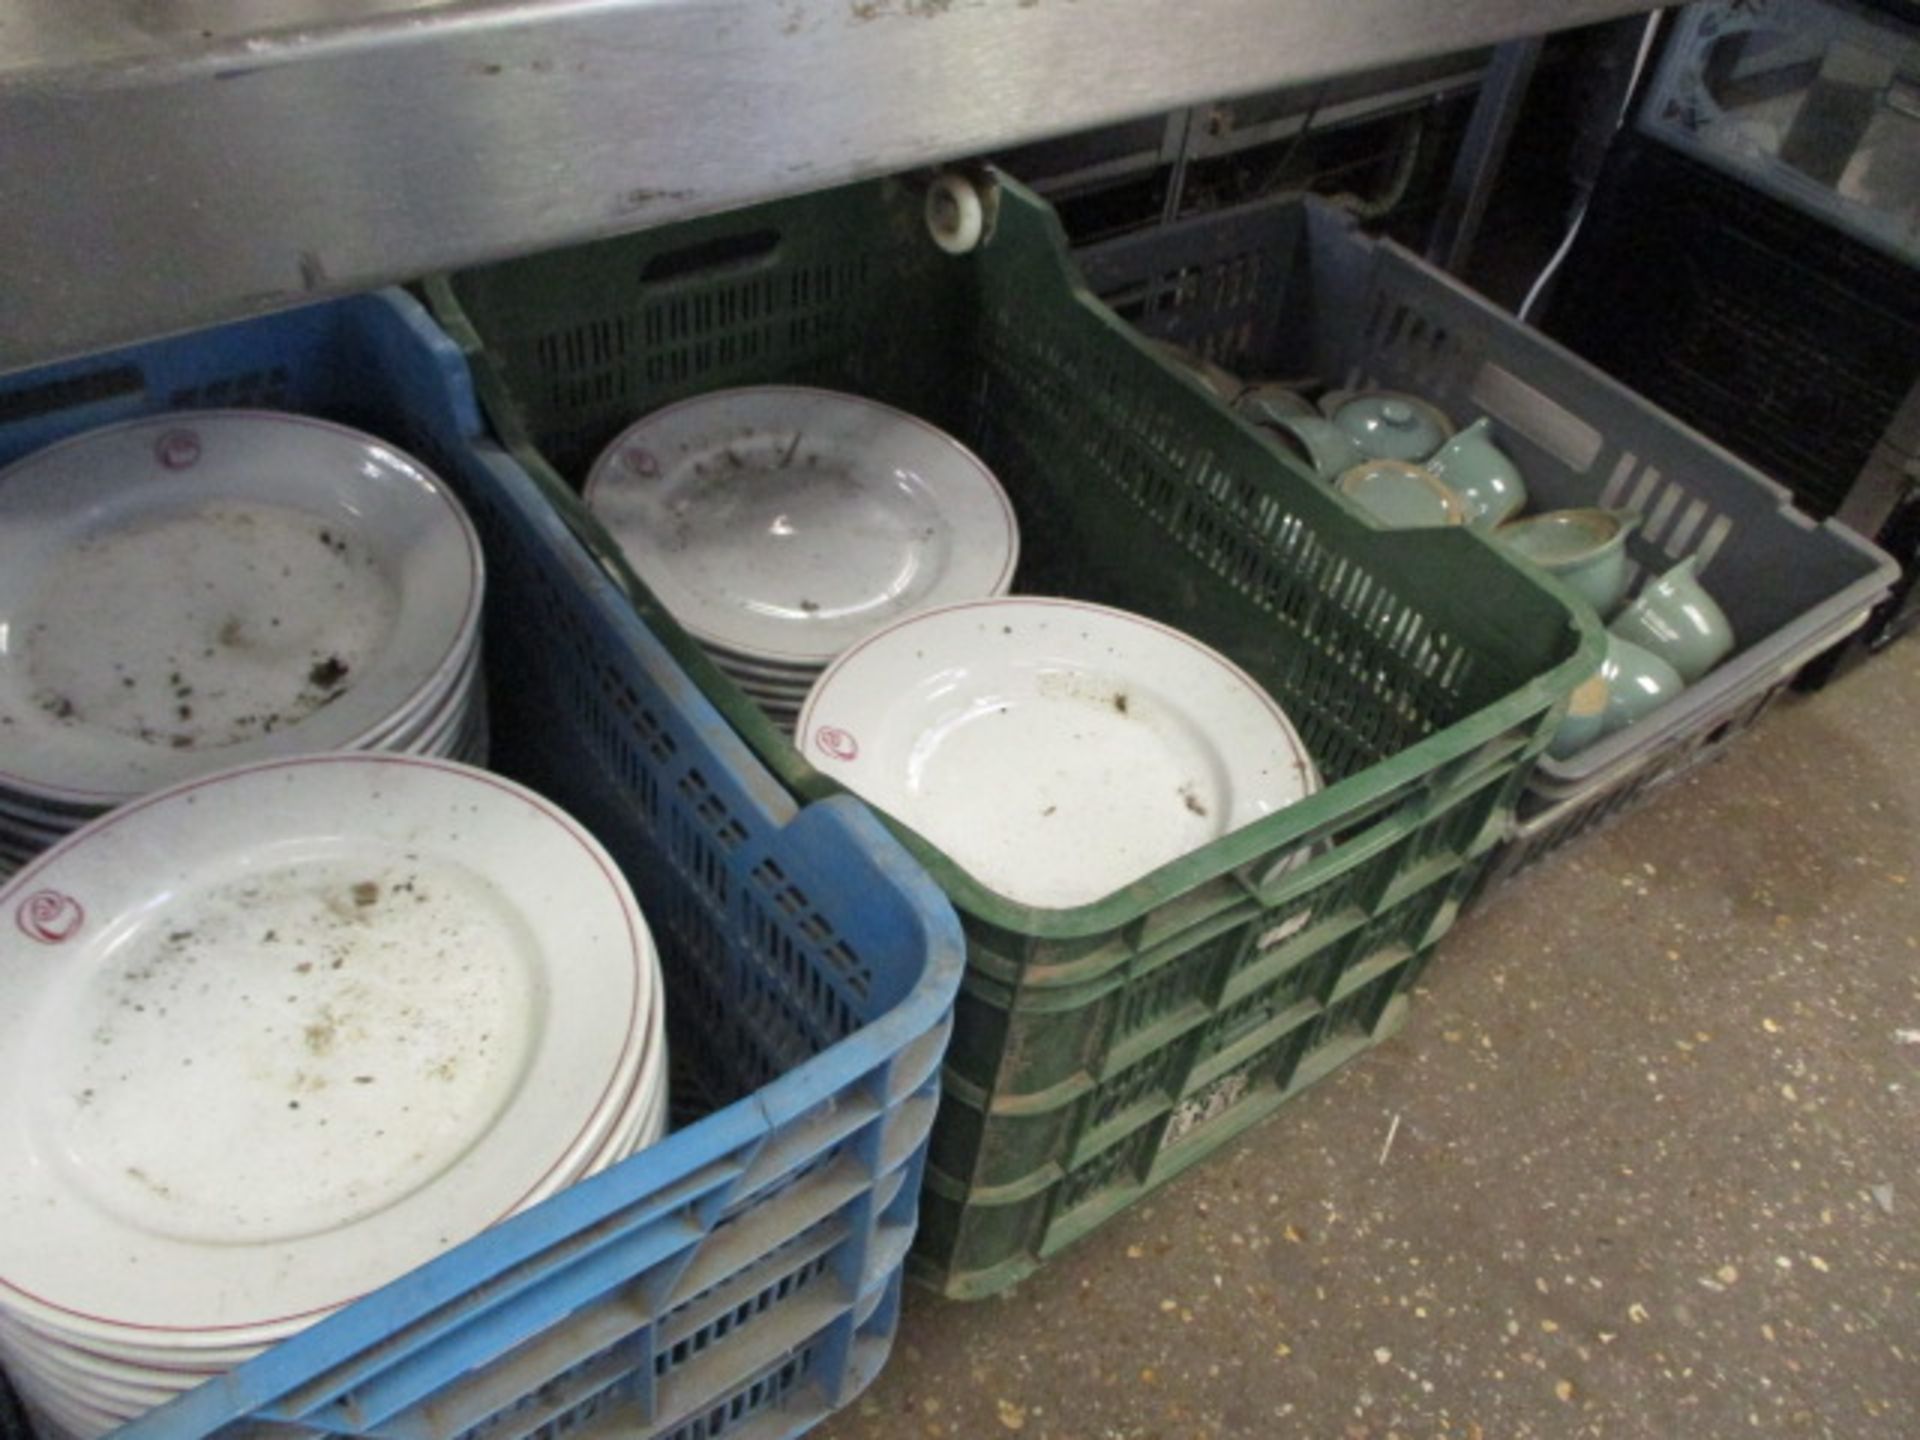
{"x": 1421, "y": 670}
{"x": 742, "y": 1276}
{"x": 1292, "y": 288}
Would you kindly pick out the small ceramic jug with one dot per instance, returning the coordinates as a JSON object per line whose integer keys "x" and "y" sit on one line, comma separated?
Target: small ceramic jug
{"x": 1586, "y": 550}
{"x": 1401, "y": 496}
{"x": 1679, "y": 621}
{"x": 1265, "y": 401}
{"x": 1321, "y": 443}
{"x": 1585, "y": 720}
{"x": 1482, "y": 474}
{"x": 1638, "y": 683}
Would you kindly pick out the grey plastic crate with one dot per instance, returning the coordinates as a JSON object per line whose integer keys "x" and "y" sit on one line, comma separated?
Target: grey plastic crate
{"x": 1290, "y": 288}
{"x": 1546, "y": 824}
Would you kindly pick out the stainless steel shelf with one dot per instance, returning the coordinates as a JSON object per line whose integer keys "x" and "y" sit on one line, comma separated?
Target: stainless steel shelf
{"x": 169, "y": 163}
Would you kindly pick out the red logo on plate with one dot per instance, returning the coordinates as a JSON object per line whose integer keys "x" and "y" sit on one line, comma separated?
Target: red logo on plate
{"x": 49, "y": 917}
{"x": 640, "y": 461}
{"x": 837, "y": 743}
{"x": 177, "y": 449}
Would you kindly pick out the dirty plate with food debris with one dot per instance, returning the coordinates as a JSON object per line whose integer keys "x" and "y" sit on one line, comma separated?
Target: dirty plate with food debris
{"x": 189, "y": 592}
{"x": 781, "y": 524}
{"x": 1056, "y": 750}
{"x": 274, "y": 1036}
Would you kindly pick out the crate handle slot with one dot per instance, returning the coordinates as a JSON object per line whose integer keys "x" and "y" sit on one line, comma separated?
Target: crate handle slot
{"x": 71, "y": 392}
{"x": 713, "y": 257}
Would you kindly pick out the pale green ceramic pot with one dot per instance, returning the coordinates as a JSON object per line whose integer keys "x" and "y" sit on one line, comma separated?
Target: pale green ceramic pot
{"x": 1321, "y": 443}
{"x": 1679, "y": 621}
{"x": 1390, "y": 426}
{"x": 1402, "y": 496}
{"x": 1638, "y": 681}
{"x": 1482, "y": 474}
{"x": 1586, "y": 550}
{"x": 1585, "y": 720}
{"x": 1265, "y": 402}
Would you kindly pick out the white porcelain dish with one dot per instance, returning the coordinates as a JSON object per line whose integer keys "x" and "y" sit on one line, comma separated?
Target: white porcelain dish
{"x": 1056, "y": 750}
{"x": 743, "y": 672}
{"x": 71, "y": 1362}
{"x": 72, "y": 1373}
{"x": 791, "y": 702}
{"x": 129, "y": 1377}
{"x": 782, "y": 524}
{"x": 760, "y": 664}
{"x": 431, "y": 709}
{"x": 277, "y": 1035}
{"x": 30, "y": 824}
{"x": 194, "y": 591}
{"x": 777, "y": 694}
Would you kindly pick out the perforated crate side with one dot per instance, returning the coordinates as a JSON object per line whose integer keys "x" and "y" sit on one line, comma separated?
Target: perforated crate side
{"x": 1039, "y": 1046}
{"x": 979, "y": 1241}
{"x": 1045, "y": 1178}
{"x": 743, "y": 1273}
{"x": 1547, "y": 821}
{"x": 1047, "y": 1170}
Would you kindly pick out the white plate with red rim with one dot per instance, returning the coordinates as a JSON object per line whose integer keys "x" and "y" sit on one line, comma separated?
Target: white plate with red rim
{"x": 760, "y": 690}
{"x": 68, "y": 1372}
{"x": 760, "y": 665}
{"x": 123, "y": 1378}
{"x": 1056, "y": 750}
{"x": 277, "y": 1035}
{"x": 459, "y": 732}
{"x": 802, "y": 676}
{"x": 782, "y": 524}
{"x": 176, "y": 1359}
{"x": 199, "y": 590}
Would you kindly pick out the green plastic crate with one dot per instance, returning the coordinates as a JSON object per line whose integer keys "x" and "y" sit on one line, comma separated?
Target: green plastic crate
{"x": 1098, "y": 1050}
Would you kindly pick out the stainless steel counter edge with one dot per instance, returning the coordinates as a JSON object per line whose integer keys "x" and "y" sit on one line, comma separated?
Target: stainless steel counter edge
{"x": 161, "y": 169}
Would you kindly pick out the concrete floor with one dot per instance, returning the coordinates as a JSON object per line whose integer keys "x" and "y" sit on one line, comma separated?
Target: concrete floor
{"x": 1656, "y": 1169}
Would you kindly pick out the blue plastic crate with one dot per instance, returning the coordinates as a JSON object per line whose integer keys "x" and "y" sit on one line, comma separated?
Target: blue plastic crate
{"x": 743, "y": 1275}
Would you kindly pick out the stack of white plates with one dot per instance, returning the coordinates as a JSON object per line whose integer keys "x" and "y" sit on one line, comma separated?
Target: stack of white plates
{"x": 1056, "y": 750}
{"x": 187, "y": 593}
{"x": 780, "y": 525}
{"x": 277, "y": 1035}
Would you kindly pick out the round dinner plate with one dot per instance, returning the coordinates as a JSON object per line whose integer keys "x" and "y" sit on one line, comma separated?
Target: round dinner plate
{"x": 23, "y": 822}
{"x": 762, "y": 665}
{"x": 73, "y": 1362}
{"x": 196, "y": 591}
{"x": 749, "y": 675}
{"x": 432, "y": 707}
{"x": 456, "y": 730}
{"x": 804, "y": 676}
{"x": 55, "y": 1416}
{"x": 276, "y": 1035}
{"x": 781, "y": 693}
{"x": 783, "y": 523}
{"x": 790, "y": 699}
{"x": 63, "y": 1371}
{"x": 778, "y": 694}
{"x": 96, "y": 1368}
{"x": 26, "y": 831}
{"x": 1056, "y": 750}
